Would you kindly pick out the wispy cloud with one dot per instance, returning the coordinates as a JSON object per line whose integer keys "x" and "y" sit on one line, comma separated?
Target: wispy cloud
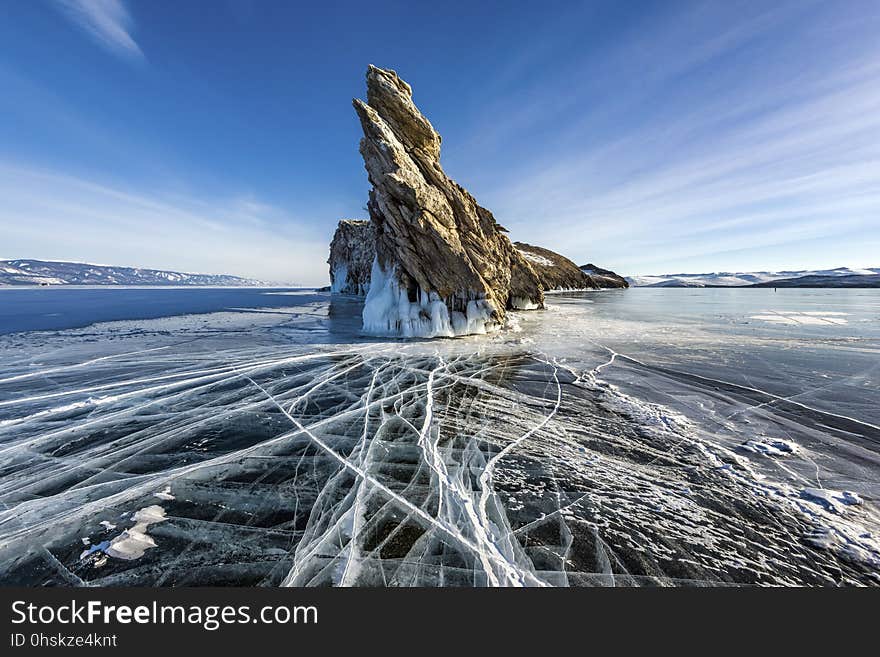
{"x": 108, "y": 22}
{"x": 739, "y": 134}
{"x": 50, "y": 215}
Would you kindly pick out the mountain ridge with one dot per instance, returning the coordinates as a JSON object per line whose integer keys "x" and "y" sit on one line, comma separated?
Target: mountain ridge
{"x": 23, "y": 271}
{"x": 837, "y": 277}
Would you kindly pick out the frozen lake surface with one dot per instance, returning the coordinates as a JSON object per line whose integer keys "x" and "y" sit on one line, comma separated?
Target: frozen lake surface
{"x": 54, "y": 308}
{"x": 623, "y": 437}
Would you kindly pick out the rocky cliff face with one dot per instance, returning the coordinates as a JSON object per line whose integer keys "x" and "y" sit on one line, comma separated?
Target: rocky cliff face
{"x": 603, "y": 278}
{"x": 556, "y": 272}
{"x": 351, "y": 257}
{"x": 443, "y": 265}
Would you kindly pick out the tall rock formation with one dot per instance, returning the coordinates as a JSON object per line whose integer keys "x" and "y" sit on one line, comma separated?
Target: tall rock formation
{"x": 443, "y": 265}
{"x": 556, "y": 272}
{"x": 351, "y": 257}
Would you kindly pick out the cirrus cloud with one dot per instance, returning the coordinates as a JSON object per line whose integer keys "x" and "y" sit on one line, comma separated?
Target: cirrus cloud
{"x": 108, "y": 22}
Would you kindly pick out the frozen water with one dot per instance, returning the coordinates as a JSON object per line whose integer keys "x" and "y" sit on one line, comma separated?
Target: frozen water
{"x": 625, "y": 437}
{"x": 802, "y": 318}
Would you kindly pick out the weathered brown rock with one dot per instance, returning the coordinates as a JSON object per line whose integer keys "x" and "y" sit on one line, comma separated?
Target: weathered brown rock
{"x": 351, "y": 256}
{"x": 443, "y": 264}
{"x": 556, "y": 272}
{"x": 603, "y": 277}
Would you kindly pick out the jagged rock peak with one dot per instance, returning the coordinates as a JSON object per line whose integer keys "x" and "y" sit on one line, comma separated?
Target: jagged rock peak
{"x": 391, "y": 97}
{"x": 351, "y": 256}
{"x": 443, "y": 265}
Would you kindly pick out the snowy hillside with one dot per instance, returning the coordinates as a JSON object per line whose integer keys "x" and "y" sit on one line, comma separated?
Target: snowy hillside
{"x": 743, "y": 279}
{"x": 41, "y": 272}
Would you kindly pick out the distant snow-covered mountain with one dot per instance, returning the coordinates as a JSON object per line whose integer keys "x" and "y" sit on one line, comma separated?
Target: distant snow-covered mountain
{"x": 851, "y": 280}
{"x": 827, "y": 278}
{"x": 43, "y": 272}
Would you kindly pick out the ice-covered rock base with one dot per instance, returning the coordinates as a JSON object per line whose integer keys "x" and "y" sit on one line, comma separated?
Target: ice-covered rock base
{"x": 351, "y": 254}
{"x": 388, "y": 311}
{"x": 340, "y": 283}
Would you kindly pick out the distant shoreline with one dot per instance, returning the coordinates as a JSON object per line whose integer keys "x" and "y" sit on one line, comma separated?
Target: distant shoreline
{"x": 758, "y": 286}
{"x": 122, "y": 286}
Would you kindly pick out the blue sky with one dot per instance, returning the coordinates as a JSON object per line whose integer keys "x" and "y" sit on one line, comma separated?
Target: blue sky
{"x": 648, "y": 137}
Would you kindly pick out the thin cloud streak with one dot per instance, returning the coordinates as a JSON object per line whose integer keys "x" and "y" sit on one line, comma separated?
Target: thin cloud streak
{"x": 53, "y": 216}
{"x": 774, "y": 148}
{"x": 806, "y": 153}
{"x": 108, "y": 22}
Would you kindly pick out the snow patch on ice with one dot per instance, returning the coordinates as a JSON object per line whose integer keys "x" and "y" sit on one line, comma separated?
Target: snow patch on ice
{"x": 771, "y": 446}
{"x": 828, "y": 513}
{"x": 133, "y": 542}
{"x": 834, "y": 530}
{"x": 165, "y": 494}
{"x": 831, "y": 500}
